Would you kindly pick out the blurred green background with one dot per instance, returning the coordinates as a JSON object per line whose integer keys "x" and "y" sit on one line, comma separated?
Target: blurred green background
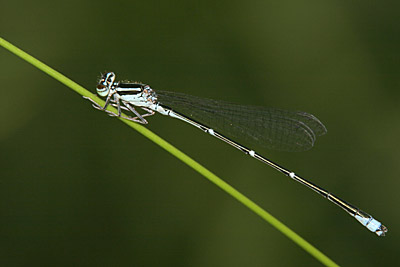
{"x": 78, "y": 188}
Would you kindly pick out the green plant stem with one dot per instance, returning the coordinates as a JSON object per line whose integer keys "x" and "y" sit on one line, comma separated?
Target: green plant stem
{"x": 178, "y": 154}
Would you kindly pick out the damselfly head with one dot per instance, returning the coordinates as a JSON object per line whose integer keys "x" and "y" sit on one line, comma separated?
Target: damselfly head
{"x": 106, "y": 82}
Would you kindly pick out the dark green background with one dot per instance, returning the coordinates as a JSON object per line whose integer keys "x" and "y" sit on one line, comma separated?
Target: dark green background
{"x": 78, "y": 188}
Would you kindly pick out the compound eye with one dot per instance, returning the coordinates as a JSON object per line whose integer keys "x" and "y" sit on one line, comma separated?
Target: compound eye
{"x": 110, "y": 77}
{"x": 102, "y": 90}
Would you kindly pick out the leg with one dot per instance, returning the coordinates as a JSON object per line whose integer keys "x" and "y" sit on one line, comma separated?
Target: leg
{"x": 98, "y": 107}
{"x": 149, "y": 112}
{"x": 138, "y": 115}
{"x": 126, "y": 107}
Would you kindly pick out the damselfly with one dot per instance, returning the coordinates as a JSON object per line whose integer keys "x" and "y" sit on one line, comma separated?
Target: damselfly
{"x": 269, "y": 127}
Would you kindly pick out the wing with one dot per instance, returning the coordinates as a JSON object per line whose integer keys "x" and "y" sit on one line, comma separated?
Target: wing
{"x": 270, "y": 127}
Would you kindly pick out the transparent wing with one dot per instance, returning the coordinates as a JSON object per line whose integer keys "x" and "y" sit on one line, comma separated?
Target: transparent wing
{"x": 270, "y": 127}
